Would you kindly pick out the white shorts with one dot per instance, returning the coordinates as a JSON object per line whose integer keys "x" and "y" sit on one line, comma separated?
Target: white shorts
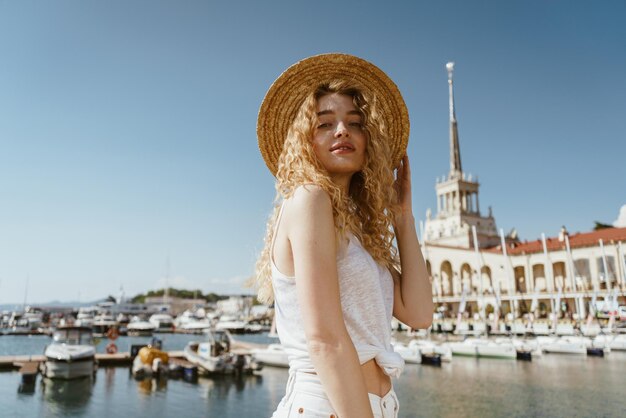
{"x": 305, "y": 398}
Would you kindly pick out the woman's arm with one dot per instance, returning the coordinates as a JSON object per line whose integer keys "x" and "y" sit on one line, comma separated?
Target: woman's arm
{"x": 413, "y": 302}
{"x": 311, "y": 232}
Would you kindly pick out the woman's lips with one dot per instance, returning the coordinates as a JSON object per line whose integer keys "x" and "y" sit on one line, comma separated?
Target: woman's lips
{"x": 342, "y": 148}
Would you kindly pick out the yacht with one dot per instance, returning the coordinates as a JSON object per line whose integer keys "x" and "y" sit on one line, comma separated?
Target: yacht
{"x": 231, "y": 324}
{"x": 102, "y": 324}
{"x": 614, "y": 342}
{"x": 140, "y": 327}
{"x": 71, "y": 354}
{"x": 163, "y": 322}
{"x": 482, "y": 347}
{"x": 272, "y": 355}
{"x": 192, "y": 322}
{"x": 413, "y": 354}
{"x": 213, "y": 356}
{"x": 562, "y": 345}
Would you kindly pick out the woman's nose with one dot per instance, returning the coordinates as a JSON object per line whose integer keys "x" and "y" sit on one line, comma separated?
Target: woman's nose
{"x": 342, "y": 130}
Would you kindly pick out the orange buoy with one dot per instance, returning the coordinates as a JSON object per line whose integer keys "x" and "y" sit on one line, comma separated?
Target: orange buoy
{"x": 112, "y": 334}
{"x": 111, "y": 348}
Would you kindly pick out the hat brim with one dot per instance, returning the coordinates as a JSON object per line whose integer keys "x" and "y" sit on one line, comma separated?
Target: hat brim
{"x": 288, "y": 92}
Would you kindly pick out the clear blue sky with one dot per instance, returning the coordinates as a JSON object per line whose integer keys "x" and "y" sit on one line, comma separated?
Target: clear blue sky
{"x": 127, "y": 128}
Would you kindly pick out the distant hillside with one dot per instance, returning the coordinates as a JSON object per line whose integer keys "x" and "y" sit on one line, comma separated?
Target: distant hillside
{"x": 179, "y": 293}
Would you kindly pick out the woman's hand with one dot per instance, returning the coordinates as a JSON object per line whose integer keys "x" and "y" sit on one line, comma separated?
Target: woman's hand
{"x": 403, "y": 187}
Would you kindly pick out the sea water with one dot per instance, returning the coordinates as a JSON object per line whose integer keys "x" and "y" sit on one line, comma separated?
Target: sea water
{"x": 552, "y": 386}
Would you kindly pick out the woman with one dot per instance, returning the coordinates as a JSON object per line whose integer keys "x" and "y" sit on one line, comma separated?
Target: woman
{"x": 331, "y": 129}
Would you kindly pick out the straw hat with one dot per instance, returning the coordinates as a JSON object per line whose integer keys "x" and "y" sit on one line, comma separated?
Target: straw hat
{"x": 287, "y": 93}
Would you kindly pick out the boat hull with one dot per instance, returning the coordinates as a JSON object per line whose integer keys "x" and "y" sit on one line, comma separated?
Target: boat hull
{"x": 61, "y": 369}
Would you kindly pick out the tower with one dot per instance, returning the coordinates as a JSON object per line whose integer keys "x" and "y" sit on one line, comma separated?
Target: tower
{"x": 457, "y": 198}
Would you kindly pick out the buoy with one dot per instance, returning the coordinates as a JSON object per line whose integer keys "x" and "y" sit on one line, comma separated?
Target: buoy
{"x": 112, "y": 334}
{"x": 111, "y": 348}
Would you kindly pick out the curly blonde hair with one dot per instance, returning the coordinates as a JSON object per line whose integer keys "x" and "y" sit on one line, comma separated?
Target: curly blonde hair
{"x": 370, "y": 207}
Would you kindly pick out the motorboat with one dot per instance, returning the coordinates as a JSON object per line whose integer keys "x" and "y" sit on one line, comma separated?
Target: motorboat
{"x": 102, "y": 324}
{"x": 150, "y": 361}
{"x": 562, "y": 345}
{"x": 482, "y": 347}
{"x": 231, "y": 324}
{"x": 272, "y": 355}
{"x": 162, "y": 322}
{"x": 590, "y": 330}
{"x": 413, "y": 354}
{"x": 540, "y": 328}
{"x": 140, "y": 327}
{"x": 214, "y": 356}
{"x": 85, "y": 316}
{"x": 192, "y": 322}
{"x": 429, "y": 347}
{"x": 518, "y": 328}
{"x": 565, "y": 328}
{"x": 614, "y": 342}
{"x": 524, "y": 345}
{"x": 71, "y": 354}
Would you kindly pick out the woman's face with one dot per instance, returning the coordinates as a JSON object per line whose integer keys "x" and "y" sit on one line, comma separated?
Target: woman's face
{"x": 339, "y": 140}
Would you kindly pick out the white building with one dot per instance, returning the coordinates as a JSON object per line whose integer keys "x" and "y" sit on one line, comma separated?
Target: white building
{"x": 534, "y": 273}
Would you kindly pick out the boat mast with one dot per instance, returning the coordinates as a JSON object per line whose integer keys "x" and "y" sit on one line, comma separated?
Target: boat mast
{"x": 607, "y": 278}
{"x": 580, "y": 307}
{"x": 511, "y": 279}
{"x": 548, "y": 272}
{"x": 479, "y": 273}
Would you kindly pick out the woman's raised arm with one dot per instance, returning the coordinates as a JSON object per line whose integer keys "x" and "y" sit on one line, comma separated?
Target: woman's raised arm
{"x": 311, "y": 232}
{"x": 413, "y": 301}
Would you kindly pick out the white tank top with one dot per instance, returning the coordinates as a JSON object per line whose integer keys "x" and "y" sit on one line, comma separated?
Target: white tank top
{"x": 366, "y": 292}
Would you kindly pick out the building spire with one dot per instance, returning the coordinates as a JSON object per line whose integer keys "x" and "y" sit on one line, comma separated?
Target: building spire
{"x": 455, "y": 152}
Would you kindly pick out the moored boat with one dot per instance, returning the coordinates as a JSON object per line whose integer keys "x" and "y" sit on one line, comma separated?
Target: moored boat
{"x": 481, "y": 347}
{"x": 272, "y": 355}
{"x": 71, "y": 354}
{"x": 214, "y": 356}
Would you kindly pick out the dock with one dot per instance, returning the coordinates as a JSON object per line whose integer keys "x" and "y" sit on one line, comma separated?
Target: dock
{"x": 26, "y": 363}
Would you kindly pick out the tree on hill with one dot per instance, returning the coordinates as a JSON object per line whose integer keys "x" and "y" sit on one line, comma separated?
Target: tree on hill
{"x": 600, "y": 225}
{"x": 179, "y": 293}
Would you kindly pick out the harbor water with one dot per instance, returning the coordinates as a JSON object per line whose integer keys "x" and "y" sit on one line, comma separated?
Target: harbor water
{"x": 551, "y": 386}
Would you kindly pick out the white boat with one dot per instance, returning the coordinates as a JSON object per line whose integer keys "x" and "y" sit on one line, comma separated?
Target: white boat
{"x": 138, "y": 326}
{"x": 413, "y": 354}
{"x": 481, "y": 347}
{"x": 518, "y": 328}
{"x": 429, "y": 347}
{"x": 590, "y": 330}
{"x": 102, "y": 324}
{"x": 231, "y": 324}
{"x": 162, "y": 322}
{"x": 85, "y": 316}
{"x": 523, "y": 345}
{"x": 214, "y": 356}
{"x": 565, "y": 328}
{"x": 540, "y": 328}
{"x": 272, "y": 355}
{"x": 562, "y": 345}
{"x": 614, "y": 342}
{"x": 71, "y": 354}
{"x": 192, "y": 322}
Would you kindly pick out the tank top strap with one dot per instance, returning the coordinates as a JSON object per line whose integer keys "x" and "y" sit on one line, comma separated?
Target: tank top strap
{"x": 278, "y": 218}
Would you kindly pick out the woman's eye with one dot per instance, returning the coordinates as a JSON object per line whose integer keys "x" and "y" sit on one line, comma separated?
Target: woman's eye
{"x": 357, "y": 125}
{"x": 323, "y": 125}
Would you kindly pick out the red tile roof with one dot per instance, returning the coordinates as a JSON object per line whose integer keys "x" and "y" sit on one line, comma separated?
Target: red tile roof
{"x": 585, "y": 239}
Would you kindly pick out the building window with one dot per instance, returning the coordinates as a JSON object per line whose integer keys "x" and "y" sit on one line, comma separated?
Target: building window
{"x": 605, "y": 277}
{"x": 582, "y": 274}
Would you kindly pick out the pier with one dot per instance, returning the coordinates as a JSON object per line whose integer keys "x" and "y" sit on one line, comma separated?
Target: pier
{"x": 10, "y": 363}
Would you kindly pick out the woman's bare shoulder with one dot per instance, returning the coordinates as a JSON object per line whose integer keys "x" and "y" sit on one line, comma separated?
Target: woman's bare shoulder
{"x": 308, "y": 198}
